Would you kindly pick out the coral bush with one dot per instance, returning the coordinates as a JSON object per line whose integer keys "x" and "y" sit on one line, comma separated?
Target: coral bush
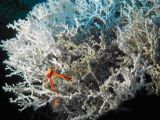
{"x": 107, "y": 47}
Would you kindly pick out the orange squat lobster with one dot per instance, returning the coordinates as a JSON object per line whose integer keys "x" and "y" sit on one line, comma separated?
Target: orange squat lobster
{"x": 51, "y": 73}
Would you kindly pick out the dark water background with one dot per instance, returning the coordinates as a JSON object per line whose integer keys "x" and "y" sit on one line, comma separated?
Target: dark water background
{"x": 141, "y": 106}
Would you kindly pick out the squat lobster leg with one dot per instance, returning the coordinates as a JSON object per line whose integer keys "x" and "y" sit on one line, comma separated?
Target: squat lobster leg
{"x": 51, "y": 74}
{"x": 53, "y": 88}
{"x": 49, "y": 77}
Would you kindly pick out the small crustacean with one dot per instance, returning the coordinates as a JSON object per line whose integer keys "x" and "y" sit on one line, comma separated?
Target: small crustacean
{"x": 56, "y": 102}
{"x": 51, "y": 74}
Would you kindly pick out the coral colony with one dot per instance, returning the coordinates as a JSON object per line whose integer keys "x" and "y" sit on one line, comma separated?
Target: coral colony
{"x": 85, "y": 57}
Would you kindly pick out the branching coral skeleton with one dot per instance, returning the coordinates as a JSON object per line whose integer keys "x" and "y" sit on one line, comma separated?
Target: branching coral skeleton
{"x": 104, "y": 51}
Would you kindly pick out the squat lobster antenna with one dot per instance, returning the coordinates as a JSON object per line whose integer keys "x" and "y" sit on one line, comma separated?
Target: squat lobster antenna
{"x": 65, "y": 77}
{"x": 62, "y": 76}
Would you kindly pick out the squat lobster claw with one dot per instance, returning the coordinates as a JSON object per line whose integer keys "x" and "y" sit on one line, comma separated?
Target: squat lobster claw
{"x": 51, "y": 74}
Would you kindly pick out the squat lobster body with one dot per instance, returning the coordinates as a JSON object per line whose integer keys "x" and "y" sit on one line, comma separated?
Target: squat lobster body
{"x": 51, "y": 74}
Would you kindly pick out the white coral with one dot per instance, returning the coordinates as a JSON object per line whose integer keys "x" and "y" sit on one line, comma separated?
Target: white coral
{"x": 48, "y": 38}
